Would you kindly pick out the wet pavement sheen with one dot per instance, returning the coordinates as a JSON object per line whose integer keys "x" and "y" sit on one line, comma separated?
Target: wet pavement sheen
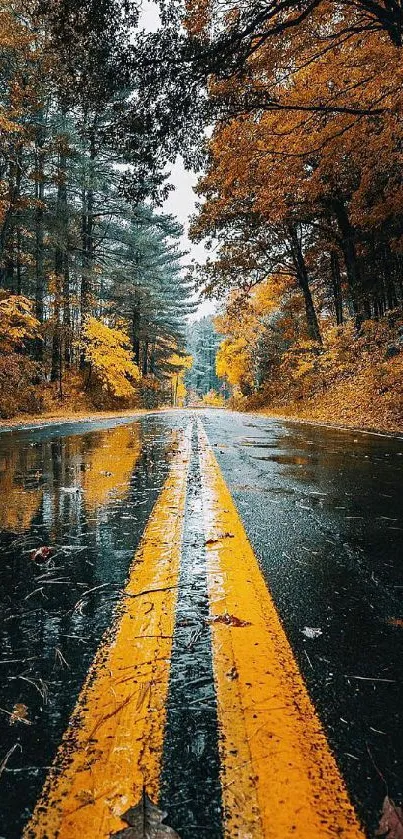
{"x": 323, "y": 511}
{"x": 190, "y": 780}
{"x": 88, "y": 496}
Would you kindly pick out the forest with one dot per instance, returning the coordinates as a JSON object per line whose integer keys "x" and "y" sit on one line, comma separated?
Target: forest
{"x": 94, "y": 301}
{"x": 301, "y": 200}
{"x": 292, "y": 114}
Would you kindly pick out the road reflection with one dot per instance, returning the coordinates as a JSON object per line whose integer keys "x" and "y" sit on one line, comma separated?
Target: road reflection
{"x": 87, "y": 496}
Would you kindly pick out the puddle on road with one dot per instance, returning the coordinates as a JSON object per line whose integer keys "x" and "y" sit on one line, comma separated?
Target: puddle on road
{"x": 87, "y": 496}
{"x": 257, "y": 444}
{"x": 294, "y": 459}
{"x": 287, "y": 459}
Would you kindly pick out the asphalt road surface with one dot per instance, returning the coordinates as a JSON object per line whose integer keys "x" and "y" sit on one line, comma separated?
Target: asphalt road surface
{"x": 233, "y": 586}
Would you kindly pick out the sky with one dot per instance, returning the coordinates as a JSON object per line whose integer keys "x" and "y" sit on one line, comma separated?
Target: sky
{"x": 181, "y": 202}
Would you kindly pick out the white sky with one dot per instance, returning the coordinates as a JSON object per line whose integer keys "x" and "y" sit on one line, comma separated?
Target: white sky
{"x": 181, "y": 201}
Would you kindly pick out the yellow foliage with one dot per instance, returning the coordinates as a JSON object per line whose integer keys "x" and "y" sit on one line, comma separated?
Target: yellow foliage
{"x": 233, "y": 362}
{"x": 243, "y": 321}
{"x": 178, "y": 387}
{"x": 267, "y": 294}
{"x": 107, "y": 352}
{"x": 299, "y": 362}
{"x": 17, "y": 323}
{"x": 181, "y": 361}
{"x": 213, "y": 399}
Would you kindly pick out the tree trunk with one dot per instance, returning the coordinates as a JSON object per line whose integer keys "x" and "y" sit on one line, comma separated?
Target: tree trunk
{"x": 145, "y": 359}
{"x": 39, "y": 233}
{"x": 87, "y": 230}
{"x": 136, "y": 334}
{"x": 18, "y": 225}
{"x": 60, "y": 265}
{"x": 390, "y": 291}
{"x": 56, "y": 338}
{"x": 67, "y": 312}
{"x": 303, "y": 282}
{"x": 347, "y": 241}
{"x": 152, "y": 358}
{"x": 7, "y": 238}
{"x": 336, "y": 287}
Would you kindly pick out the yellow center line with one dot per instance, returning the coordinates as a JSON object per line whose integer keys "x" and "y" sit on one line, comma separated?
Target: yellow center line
{"x": 113, "y": 745}
{"x": 279, "y": 776}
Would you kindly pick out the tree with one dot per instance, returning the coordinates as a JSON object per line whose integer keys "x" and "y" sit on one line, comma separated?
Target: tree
{"x": 218, "y": 52}
{"x": 304, "y": 188}
{"x": 18, "y": 326}
{"x": 18, "y": 329}
{"x": 203, "y": 342}
{"x": 107, "y": 353}
{"x": 178, "y": 365}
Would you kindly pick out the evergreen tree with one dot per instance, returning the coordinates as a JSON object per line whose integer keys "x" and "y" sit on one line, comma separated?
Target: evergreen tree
{"x": 203, "y": 342}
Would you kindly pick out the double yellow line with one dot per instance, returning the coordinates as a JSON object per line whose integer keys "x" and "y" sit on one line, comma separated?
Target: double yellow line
{"x": 279, "y": 778}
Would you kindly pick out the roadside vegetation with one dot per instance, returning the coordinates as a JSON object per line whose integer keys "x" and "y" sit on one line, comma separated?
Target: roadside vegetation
{"x": 302, "y": 202}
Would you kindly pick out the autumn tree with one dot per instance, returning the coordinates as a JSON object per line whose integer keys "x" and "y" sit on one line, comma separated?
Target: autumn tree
{"x": 316, "y": 182}
{"x": 178, "y": 365}
{"x": 18, "y": 329}
{"x": 108, "y": 354}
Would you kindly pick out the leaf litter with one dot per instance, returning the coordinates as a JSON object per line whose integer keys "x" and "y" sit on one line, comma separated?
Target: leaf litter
{"x": 218, "y": 538}
{"x": 311, "y": 632}
{"x": 228, "y": 620}
{"x": 145, "y": 822}
{"x": 20, "y": 714}
{"x": 391, "y": 823}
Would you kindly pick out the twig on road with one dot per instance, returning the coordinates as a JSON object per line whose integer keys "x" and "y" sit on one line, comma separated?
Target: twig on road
{"x": 5, "y": 760}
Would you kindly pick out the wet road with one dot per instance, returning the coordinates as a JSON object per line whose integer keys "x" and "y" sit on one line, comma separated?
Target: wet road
{"x": 323, "y": 512}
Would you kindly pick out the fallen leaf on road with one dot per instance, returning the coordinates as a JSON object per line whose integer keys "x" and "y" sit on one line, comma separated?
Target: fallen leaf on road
{"x": 10, "y": 752}
{"x": 229, "y": 620}
{"x": 20, "y": 714}
{"x": 145, "y": 822}
{"x": 41, "y": 555}
{"x": 218, "y": 538}
{"x": 311, "y": 632}
{"x": 395, "y": 621}
{"x": 391, "y": 823}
